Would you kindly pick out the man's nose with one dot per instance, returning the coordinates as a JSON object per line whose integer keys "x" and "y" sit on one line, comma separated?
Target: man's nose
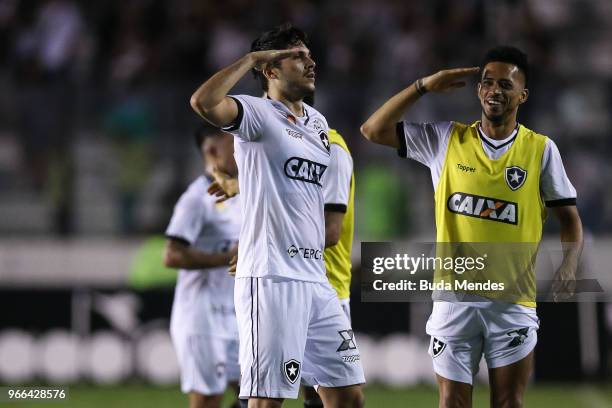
{"x": 310, "y": 63}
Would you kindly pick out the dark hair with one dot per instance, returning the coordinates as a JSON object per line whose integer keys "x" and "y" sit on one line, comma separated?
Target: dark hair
{"x": 280, "y": 38}
{"x": 509, "y": 55}
{"x": 205, "y": 131}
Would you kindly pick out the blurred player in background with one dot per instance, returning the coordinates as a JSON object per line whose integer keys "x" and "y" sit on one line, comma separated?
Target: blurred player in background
{"x": 201, "y": 240}
{"x": 483, "y": 174}
{"x": 290, "y": 319}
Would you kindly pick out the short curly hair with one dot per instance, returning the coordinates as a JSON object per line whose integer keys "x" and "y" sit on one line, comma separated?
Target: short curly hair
{"x": 508, "y": 55}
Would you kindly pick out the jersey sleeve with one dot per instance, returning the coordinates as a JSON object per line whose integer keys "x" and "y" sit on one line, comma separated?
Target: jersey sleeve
{"x": 337, "y": 184}
{"x": 187, "y": 219}
{"x": 555, "y": 187}
{"x": 248, "y": 124}
{"x": 423, "y": 142}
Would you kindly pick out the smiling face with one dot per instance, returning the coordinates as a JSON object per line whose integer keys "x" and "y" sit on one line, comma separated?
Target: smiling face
{"x": 501, "y": 90}
{"x": 293, "y": 76}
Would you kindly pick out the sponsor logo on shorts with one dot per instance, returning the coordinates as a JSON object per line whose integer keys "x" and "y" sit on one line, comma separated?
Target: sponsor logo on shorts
{"x": 492, "y": 209}
{"x": 291, "y": 369}
{"x": 297, "y": 168}
{"x": 348, "y": 340}
{"x": 306, "y": 253}
{"x": 437, "y": 347}
{"x": 518, "y": 336}
{"x": 515, "y": 177}
{"x": 351, "y": 359}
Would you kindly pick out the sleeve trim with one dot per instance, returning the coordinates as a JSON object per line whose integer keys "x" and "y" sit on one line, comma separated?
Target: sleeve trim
{"x": 236, "y": 123}
{"x": 402, "y": 151}
{"x": 178, "y": 239}
{"x": 561, "y": 203}
{"x": 331, "y": 207}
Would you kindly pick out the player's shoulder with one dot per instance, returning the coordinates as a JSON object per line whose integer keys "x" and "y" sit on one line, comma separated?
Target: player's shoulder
{"x": 534, "y": 137}
{"x": 251, "y": 103}
{"x": 335, "y": 138}
{"x": 197, "y": 191}
{"x": 315, "y": 117}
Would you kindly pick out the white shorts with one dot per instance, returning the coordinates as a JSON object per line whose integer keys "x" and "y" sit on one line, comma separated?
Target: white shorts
{"x": 346, "y": 307}
{"x": 207, "y": 363}
{"x": 292, "y": 330}
{"x": 461, "y": 334}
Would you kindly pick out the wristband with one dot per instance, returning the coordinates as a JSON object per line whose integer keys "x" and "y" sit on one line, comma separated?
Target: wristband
{"x": 420, "y": 88}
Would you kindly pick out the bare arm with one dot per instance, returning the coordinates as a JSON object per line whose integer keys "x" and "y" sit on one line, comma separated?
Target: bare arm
{"x": 380, "y": 127}
{"x": 210, "y": 100}
{"x": 572, "y": 242}
{"x": 180, "y": 255}
{"x": 333, "y": 227}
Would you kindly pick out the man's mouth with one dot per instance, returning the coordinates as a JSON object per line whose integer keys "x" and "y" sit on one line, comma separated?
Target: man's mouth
{"x": 310, "y": 75}
{"x": 494, "y": 102}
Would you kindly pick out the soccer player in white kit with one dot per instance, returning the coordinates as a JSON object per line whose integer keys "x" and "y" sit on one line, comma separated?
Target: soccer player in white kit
{"x": 290, "y": 320}
{"x": 202, "y": 238}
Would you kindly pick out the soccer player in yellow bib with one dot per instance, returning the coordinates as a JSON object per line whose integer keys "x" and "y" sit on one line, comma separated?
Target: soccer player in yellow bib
{"x": 493, "y": 181}
{"x": 338, "y": 192}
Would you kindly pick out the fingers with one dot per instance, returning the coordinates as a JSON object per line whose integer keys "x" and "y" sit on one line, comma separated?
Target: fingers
{"x": 233, "y": 265}
{"x": 222, "y": 199}
{"x": 459, "y": 72}
{"x": 264, "y": 57}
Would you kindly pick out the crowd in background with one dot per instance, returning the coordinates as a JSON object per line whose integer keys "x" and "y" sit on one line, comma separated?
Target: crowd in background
{"x": 96, "y": 128}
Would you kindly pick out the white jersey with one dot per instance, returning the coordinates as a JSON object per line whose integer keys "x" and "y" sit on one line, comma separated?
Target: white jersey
{"x": 203, "y": 299}
{"x": 427, "y": 143}
{"x": 281, "y": 160}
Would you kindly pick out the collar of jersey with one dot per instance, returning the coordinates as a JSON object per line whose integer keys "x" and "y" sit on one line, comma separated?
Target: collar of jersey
{"x": 497, "y": 144}
{"x": 305, "y": 115}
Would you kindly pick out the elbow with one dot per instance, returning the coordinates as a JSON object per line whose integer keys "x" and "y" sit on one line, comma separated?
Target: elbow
{"x": 366, "y": 131}
{"x": 196, "y": 106}
{"x": 171, "y": 259}
{"x": 371, "y": 132}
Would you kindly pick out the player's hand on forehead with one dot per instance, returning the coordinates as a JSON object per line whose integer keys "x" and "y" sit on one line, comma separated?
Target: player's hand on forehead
{"x": 261, "y": 58}
{"x": 448, "y": 79}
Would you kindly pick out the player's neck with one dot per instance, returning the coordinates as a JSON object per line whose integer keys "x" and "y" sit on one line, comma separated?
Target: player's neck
{"x": 498, "y": 130}
{"x": 293, "y": 104}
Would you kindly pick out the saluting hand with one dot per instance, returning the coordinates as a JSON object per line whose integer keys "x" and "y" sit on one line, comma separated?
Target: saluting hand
{"x": 448, "y": 79}
{"x": 260, "y": 58}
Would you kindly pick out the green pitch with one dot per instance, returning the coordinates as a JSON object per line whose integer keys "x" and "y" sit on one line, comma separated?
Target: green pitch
{"x": 136, "y": 396}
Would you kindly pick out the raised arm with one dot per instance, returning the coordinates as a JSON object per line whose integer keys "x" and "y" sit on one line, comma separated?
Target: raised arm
{"x": 210, "y": 100}
{"x": 380, "y": 127}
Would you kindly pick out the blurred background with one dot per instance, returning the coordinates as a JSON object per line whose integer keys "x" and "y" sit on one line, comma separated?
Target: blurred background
{"x": 96, "y": 147}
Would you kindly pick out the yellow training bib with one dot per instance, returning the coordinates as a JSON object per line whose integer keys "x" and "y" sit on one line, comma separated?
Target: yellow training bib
{"x": 338, "y": 257}
{"x": 493, "y": 201}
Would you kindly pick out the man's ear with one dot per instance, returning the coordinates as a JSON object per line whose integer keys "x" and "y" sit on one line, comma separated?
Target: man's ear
{"x": 477, "y": 88}
{"x": 524, "y": 96}
{"x": 269, "y": 71}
